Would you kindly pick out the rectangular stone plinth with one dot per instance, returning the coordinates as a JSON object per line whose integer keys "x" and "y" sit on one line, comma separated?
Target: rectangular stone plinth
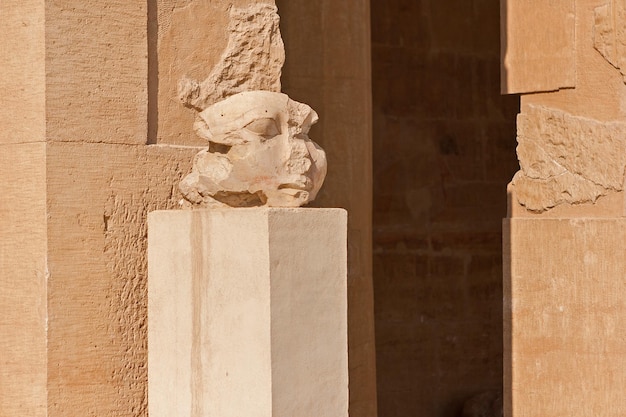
{"x": 565, "y": 317}
{"x": 247, "y": 313}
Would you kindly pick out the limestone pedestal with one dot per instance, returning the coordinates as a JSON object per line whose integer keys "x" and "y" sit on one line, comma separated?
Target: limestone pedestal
{"x": 247, "y": 313}
{"x": 565, "y": 317}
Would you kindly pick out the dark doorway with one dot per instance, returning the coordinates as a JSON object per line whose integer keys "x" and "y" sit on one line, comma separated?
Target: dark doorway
{"x": 444, "y": 150}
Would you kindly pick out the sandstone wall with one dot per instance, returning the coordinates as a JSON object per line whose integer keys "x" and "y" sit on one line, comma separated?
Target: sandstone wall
{"x": 570, "y": 140}
{"x": 444, "y": 150}
{"x": 92, "y": 138}
{"x": 564, "y": 238}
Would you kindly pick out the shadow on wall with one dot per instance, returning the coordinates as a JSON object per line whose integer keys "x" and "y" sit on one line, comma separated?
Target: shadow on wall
{"x": 444, "y": 151}
{"x": 327, "y": 66}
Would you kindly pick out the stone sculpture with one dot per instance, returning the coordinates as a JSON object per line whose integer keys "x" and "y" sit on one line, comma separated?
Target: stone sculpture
{"x": 259, "y": 151}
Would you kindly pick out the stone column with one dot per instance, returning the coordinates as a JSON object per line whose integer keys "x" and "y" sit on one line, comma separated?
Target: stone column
{"x": 77, "y": 182}
{"x": 564, "y": 238}
{"x": 247, "y": 313}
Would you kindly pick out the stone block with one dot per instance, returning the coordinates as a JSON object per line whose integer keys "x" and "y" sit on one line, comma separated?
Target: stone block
{"x": 96, "y": 71}
{"x": 247, "y": 312}
{"x": 529, "y": 63}
{"x": 97, "y": 197}
{"x": 22, "y": 83}
{"x": 23, "y": 276}
{"x": 564, "y": 317}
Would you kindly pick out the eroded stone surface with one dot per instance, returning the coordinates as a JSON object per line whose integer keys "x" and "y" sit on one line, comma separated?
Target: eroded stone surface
{"x": 609, "y": 34}
{"x": 253, "y": 59}
{"x": 259, "y": 153}
{"x": 567, "y": 159}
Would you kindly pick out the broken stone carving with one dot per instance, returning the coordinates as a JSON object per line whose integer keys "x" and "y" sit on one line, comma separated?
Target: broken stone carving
{"x": 609, "y": 33}
{"x": 253, "y": 59}
{"x": 259, "y": 151}
{"x": 567, "y": 159}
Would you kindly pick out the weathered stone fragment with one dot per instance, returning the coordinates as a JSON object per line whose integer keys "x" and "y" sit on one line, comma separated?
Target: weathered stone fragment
{"x": 259, "y": 153}
{"x": 253, "y": 59}
{"x": 567, "y": 159}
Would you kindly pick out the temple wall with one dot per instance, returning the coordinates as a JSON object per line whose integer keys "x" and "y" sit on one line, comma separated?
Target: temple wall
{"x": 564, "y": 236}
{"x": 92, "y": 139}
{"x": 444, "y": 150}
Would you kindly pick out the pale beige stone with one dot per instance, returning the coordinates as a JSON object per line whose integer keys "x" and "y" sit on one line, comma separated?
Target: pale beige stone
{"x": 253, "y": 59}
{"x": 567, "y": 159}
{"x": 23, "y": 280}
{"x": 22, "y": 80}
{"x": 327, "y": 69}
{"x": 564, "y": 317}
{"x": 538, "y": 45}
{"x": 248, "y": 313}
{"x": 259, "y": 153}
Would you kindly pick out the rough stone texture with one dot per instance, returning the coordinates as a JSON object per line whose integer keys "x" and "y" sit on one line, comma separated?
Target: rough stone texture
{"x": 98, "y": 197}
{"x": 444, "y": 150}
{"x": 259, "y": 154}
{"x": 96, "y": 69}
{"x": 565, "y": 317}
{"x": 594, "y": 110}
{"x": 253, "y": 59}
{"x": 190, "y": 41}
{"x": 327, "y": 66}
{"x": 248, "y": 313}
{"x": 609, "y": 33}
{"x": 567, "y": 159}
{"x": 530, "y": 62}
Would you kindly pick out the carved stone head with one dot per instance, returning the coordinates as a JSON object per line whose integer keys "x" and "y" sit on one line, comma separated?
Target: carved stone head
{"x": 259, "y": 153}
